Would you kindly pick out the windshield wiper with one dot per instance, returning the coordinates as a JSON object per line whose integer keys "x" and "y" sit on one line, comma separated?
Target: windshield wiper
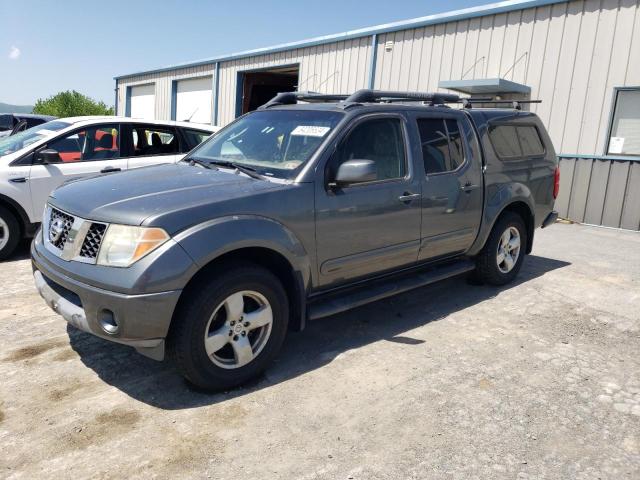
{"x": 251, "y": 172}
{"x": 196, "y": 161}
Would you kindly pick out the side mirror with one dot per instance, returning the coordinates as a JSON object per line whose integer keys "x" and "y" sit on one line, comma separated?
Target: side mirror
{"x": 356, "y": 171}
{"x": 47, "y": 156}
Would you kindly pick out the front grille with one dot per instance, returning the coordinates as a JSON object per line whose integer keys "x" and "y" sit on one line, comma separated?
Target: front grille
{"x": 70, "y": 237}
{"x": 92, "y": 241}
{"x": 67, "y": 223}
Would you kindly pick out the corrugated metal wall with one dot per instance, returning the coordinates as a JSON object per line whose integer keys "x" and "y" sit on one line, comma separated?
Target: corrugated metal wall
{"x": 600, "y": 192}
{"x": 329, "y": 68}
{"x": 571, "y": 54}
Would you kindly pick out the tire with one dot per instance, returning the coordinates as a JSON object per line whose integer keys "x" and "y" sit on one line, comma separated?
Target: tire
{"x": 210, "y": 308}
{"x": 10, "y": 234}
{"x": 489, "y": 267}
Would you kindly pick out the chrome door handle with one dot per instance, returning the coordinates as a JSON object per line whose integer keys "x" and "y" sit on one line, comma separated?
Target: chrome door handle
{"x": 408, "y": 197}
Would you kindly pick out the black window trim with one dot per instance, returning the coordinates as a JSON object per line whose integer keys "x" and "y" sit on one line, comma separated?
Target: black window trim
{"x": 345, "y": 134}
{"x": 492, "y": 125}
{"x": 465, "y": 147}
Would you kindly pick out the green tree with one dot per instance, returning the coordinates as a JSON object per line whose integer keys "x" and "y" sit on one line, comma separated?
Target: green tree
{"x": 71, "y": 104}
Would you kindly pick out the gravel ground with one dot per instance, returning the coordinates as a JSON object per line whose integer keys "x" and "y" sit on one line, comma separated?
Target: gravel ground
{"x": 537, "y": 380}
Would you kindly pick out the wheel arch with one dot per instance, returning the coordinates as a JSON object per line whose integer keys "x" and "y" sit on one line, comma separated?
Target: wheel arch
{"x": 269, "y": 259}
{"x": 20, "y": 214}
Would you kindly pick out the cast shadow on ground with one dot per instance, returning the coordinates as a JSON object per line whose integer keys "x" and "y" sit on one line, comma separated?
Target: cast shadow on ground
{"x": 159, "y": 385}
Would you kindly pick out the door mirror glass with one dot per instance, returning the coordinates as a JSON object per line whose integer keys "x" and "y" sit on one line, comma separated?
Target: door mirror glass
{"x": 356, "y": 171}
{"x": 47, "y": 156}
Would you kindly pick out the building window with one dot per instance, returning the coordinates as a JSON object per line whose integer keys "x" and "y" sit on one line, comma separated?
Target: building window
{"x": 624, "y": 138}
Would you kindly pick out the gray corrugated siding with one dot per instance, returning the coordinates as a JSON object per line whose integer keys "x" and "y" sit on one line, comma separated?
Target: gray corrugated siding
{"x": 600, "y": 192}
{"x": 571, "y": 54}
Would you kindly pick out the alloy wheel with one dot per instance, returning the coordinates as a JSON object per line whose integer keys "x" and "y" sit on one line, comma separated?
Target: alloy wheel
{"x": 239, "y": 329}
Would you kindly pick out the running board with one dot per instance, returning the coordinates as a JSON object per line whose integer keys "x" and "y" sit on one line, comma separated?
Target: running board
{"x": 383, "y": 288}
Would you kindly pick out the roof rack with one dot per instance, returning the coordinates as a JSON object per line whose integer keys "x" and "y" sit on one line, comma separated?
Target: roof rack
{"x": 381, "y": 96}
{"x": 516, "y": 104}
{"x": 291, "y": 98}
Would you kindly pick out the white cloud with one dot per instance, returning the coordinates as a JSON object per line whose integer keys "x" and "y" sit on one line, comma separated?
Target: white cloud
{"x": 14, "y": 53}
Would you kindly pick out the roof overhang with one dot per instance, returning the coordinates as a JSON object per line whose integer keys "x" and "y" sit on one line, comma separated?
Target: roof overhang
{"x": 479, "y": 86}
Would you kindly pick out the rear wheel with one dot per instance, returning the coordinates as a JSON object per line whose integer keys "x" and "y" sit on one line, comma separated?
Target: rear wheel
{"x": 9, "y": 233}
{"x": 502, "y": 255}
{"x": 230, "y": 327}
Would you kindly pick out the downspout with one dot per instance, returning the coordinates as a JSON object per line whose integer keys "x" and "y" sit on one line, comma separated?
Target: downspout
{"x": 373, "y": 60}
{"x": 216, "y": 94}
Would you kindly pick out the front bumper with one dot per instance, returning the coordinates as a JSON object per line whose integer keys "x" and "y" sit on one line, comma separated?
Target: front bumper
{"x": 141, "y": 321}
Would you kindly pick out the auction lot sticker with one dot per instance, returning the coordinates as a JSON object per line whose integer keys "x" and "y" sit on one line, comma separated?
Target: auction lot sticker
{"x": 310, "y": 131}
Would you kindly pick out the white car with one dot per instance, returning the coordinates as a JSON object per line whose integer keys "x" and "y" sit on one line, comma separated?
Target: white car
{"x": 36, "y": 161}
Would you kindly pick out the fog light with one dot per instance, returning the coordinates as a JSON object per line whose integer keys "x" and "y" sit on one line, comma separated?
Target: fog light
{"x": 108, "y": 321}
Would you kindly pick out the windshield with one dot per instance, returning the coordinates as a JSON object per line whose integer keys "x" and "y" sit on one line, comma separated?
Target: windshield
{"x": 21, "y": 140}
{"x": 275, "y": 143}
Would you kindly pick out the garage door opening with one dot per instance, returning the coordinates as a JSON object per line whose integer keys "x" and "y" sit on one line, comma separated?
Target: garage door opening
{"x": 260, "y": 87}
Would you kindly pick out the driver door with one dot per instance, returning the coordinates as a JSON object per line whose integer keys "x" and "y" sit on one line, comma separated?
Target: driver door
{"x": 86, "y": 151}
{"x": 366, "y": 228}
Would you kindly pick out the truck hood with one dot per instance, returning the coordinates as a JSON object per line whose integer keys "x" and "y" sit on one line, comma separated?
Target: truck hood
{"x": 134, "y": 196}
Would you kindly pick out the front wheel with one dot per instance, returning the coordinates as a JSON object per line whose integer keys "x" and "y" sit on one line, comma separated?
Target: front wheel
{"x": 502, "y": 255}
{"x": 230, "y": 327}
{"x": 9, "y": 233}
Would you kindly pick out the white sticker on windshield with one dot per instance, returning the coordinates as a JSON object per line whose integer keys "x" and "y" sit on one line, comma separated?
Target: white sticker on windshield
{"x": 310, "y": 131}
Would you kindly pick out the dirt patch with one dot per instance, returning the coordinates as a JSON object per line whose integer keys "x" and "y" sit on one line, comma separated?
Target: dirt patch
{"x": 1, "y": 416}
{"x": 105, "y": 426}
{"x": 31, "y": 351}
{"x": 65, "y": 355}
{"x": 62, "y": 393}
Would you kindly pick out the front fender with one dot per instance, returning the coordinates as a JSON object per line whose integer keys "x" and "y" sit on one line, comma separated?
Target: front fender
{"x": 210, "y": 240}
{"x": 498, "y": 198}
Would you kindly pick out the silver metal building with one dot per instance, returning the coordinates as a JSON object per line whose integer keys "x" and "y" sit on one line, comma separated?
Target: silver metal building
{"x": 580, "y": 57}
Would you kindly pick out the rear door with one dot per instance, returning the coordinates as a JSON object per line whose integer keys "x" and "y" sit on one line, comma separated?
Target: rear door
{"x": 452, "y": 183}
{"x": 148, "y": 144}
{"x": 85, "y": 151}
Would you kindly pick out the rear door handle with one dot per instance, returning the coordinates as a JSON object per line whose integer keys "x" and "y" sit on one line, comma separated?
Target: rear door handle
{"x": 467, "y": 187}
{"x": 18, "y": 180}
{"x": 110, "y": 170}
{"x": 408, "y": 197}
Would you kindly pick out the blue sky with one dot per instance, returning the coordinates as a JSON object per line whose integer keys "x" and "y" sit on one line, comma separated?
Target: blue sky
{"x": 49, "y": 46}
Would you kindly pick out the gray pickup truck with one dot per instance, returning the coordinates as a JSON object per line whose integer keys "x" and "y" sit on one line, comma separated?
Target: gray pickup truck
{"x": 310, "y": 206}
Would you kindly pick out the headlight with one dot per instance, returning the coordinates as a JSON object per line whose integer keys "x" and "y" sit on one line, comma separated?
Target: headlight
{"x": 123, "y": 245}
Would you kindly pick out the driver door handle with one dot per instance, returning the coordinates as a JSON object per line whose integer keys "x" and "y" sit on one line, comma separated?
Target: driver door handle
{"x": 467, "y": 187}
{"x": 110, "y": 170}
{"x": 408, "y": 197}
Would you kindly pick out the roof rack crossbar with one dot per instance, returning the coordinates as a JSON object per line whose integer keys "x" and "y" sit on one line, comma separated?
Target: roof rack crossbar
{"x": 291, "y": 98}
{"x": 372, "y": 96}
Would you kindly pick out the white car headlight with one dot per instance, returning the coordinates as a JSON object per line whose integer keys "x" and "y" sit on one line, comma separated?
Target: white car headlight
{"x": 124, "y": 245}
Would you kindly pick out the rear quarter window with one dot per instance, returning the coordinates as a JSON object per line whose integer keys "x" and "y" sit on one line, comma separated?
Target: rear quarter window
{"x": 512, "y": 142}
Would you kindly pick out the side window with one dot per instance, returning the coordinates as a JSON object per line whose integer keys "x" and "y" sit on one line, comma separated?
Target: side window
{"x": 94, "y": 143}
{"x": 516, "y": 141}
{"x": 442, "y": 149}
{"x": 379, "y": 140}
{"x": 530, "y": 140}
{"x": 152, "y": 140}
{"x": 193, "y": 138}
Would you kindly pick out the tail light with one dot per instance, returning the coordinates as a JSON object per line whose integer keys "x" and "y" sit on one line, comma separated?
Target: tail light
{"x": 556, "y": 182}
